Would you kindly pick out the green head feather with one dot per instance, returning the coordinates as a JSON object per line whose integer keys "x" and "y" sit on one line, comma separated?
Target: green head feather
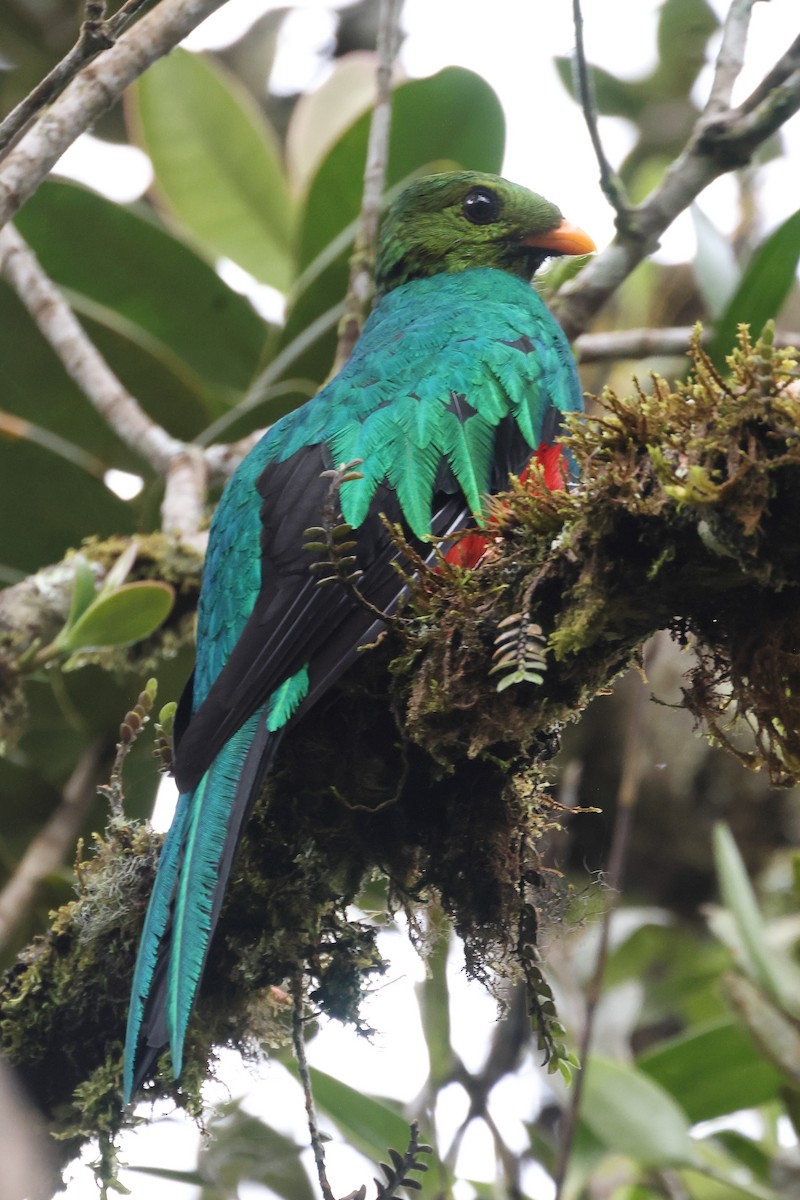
{"x": 449, "y": 223}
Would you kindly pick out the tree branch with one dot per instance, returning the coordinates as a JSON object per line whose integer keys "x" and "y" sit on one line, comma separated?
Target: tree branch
{"x": 610, "y": 183}
{"x": 96, "y": 34}
{"x": 362, "y": 264}
{"x": 715, "y": 147}
{"x": 730, "y": 57}
{"x": 48, "y": 848}
{"x": 651, "y": 343}
{"x": 94, "y": 90}
{"x": 81, "y": 360}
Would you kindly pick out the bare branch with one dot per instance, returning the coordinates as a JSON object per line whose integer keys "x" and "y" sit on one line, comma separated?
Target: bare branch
{"x": 47, "y": 850}
{"x": 610, "y": 183}
{"x": 81, "y": 360}
{"x": 651, "y": 343}
{"x": 362, "y": 264}
{"x": 183, "y": 508}
{"x": 730, "y": 57}
{"x": 223, "y": 458}
{"x": 299, "y": 1046}
{"x": 96, "y": 34}
{"x": 96, "y": 88}
{"x": 729, "y": 141}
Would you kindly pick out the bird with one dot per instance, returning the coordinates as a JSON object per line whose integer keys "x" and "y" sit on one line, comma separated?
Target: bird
{"x": 460, "y": 377}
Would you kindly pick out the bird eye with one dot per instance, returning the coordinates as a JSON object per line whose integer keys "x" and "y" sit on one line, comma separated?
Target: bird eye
{"x": 481, "y": 206}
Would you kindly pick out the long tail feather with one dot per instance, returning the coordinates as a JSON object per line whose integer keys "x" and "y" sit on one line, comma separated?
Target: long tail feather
{"x": 187, "y": 897}
{"x": 155, "y": 925}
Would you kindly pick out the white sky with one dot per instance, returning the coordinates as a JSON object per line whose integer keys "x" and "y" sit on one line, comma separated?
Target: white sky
{"x": 548, "y": 150}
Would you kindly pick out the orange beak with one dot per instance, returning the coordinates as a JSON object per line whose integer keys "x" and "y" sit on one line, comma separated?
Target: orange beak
{"x": 566, "y": 239}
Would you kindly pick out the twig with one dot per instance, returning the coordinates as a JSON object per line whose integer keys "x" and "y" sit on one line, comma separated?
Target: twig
{"x": 299, "y": 1043}
{"x": 79, "y": 357}
{"x": 730, "y": 57}
{"x": 362, "y": 263}
{"x": 96, "y": 34}
{"x": 652, "y": 343}
{"x": 610, "y": 183}
{"x": 95, "y": 88}
{"x": 627, "y": 795}
{"x": 713, "y": 149}
{"x": 47, "y": 850}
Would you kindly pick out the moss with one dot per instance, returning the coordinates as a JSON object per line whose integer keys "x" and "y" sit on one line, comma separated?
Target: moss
{"x": 419, "y": 769}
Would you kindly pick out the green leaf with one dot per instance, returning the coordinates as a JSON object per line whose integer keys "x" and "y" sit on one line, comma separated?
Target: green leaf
{"x": 84, "y": 587}
{"x": 126, "y": 272}
{"x": 243, "y": 1149}
{"x": 453, "y": 117}
{"x": 632, "y": 1115}
{"x": 712, "y": 1070}
{"x": 320, "y": 117}
{"x": 715, "y": 267}
{"x": 763, "y": 288}
{"x": 369, "y": 1124}
{"x": 777, "y": 1037}
{"x": 775, "y": 972}
{"x": 128, "y": 614}
{"x": 615, "y": 97}
{"x": 39, "y": 523}
{"x": 217, "y": 163}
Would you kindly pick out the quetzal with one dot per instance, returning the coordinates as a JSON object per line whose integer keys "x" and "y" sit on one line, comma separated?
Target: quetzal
{"x": 460, "y": 376}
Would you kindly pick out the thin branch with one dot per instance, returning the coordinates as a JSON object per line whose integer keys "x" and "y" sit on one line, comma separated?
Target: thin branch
{"x": 47, "y": 850}
{"x": 714, "y": 148}
{"x": 652, "y": 343}
{"x": 362, "y": 263}
{"x": 627, "y": 795}
{"x": 611, "y": 184}
{"x": 81, "y": 360}
{"x": 94, "y": 89}
{"x": 299, "y": 1043}
{"x": 96, "y": 34}
{"x": 730, "y": 57}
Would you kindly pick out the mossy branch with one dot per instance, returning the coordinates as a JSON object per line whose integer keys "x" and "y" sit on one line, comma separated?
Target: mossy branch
{"x": 687, "y": 517}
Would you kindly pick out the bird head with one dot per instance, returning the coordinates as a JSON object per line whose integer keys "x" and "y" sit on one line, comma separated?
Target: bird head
{"x": 448, "y": 223}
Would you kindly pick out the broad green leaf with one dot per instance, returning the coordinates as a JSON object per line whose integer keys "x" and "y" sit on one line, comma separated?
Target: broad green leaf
{"x": 51, "y": 505}
{"x": 243, "y": 1149}
{"x": 715, "y": 267}
{"x": 615, "y": 97}
{"x": 627, "y": 1111}
{"x": 763, "y": 288}
{"x": 453, "y": 117}
{"x": 128, "y": 614}
{"x": 722, "y": 1186}
{"x": 775, "y": 972}
{"x": 217, "y": 163}
{"x": 369, "y": 1124}
{"x": 777, "y": 1037}
{"x": 684, "y": 27}
{"x": 144, "y": 283}
{"x": 320, "y": 117}
{"x": 712, "y": 1070}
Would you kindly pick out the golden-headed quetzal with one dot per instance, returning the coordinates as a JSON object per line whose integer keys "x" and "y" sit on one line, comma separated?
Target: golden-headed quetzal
{"x": 460, "y": 376}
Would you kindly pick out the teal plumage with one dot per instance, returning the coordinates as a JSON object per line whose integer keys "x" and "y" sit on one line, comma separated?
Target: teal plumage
{"x": 459, "y": 375}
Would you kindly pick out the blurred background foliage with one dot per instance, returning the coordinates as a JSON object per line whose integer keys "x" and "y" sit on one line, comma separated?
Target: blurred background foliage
{"x": 699, "y": 1018}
